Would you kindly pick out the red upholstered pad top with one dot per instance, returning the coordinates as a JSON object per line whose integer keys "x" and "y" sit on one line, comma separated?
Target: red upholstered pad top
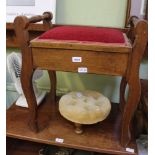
{"x": 84, "y": 33}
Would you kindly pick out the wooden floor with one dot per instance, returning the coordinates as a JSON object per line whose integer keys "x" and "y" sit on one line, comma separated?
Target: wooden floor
{"x": 102, "y": 137}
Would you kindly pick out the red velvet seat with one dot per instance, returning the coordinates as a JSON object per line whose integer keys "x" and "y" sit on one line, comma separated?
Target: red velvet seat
{"x": 84, "y": 33}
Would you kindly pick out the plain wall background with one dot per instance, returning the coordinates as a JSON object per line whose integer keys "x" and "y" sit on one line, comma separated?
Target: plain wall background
{"x": 111, "y": 13}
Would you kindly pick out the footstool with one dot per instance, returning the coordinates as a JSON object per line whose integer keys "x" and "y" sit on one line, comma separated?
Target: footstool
{"x": 85, "y": 107}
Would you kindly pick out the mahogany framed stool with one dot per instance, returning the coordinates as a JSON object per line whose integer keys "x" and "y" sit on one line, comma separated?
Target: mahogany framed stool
{"x": 119, "y": 57}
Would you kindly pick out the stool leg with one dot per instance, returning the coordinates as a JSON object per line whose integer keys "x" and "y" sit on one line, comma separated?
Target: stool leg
{"x": 52, "y": 76}
{"x": 78, "y": 128}
{"x": 122, "y": 93}
{"x": 129, "y": 109}
{"x": 27, "y": 86}
{"x": 22, "y": 36}
{"x": 132, "y": 78}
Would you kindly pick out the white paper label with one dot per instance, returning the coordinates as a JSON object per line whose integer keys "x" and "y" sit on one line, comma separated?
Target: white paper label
{"x": 76, "y": 59}
{"x": 130, "y": 150}
{"x": 82, "y": 70}
{"x": 59, "y": 140}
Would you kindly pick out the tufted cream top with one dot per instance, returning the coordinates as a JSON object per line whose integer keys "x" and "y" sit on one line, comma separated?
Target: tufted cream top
{"x": 86, "y": 107}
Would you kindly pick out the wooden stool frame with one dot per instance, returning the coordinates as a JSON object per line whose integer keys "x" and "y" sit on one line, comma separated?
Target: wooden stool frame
{"x": 128, "y": 66}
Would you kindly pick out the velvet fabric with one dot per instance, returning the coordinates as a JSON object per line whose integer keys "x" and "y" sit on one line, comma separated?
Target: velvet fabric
{"x": 84, "y": 33}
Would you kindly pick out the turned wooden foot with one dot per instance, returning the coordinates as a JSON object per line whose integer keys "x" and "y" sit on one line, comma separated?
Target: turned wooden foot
{"x": 78, "y": 128}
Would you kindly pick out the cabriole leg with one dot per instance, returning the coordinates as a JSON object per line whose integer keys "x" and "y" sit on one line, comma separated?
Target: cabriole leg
{"x": 27, "y": 86}
{"x": 122, "y": 93}
{"x": 129, "y": 110}
{"x": 52, "y": 76}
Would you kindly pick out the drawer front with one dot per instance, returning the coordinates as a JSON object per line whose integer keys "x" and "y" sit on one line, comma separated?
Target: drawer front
{"x": 110, "y": 63}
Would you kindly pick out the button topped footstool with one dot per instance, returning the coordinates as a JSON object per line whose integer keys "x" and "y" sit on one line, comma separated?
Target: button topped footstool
{"x": 84, "y": 107}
